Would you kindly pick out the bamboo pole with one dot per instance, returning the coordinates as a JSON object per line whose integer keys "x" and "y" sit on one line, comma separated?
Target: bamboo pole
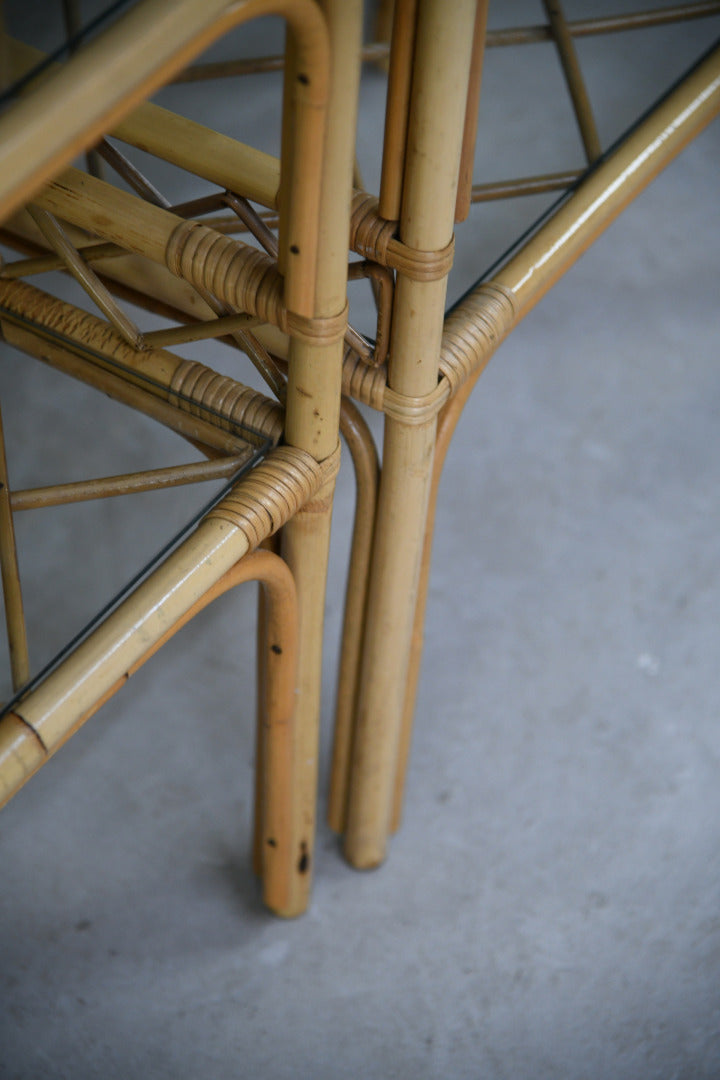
{"x": 62, "y": 702}
{"x": 128, "y": 483}
{"x": 609, "y": 24}
{"x": 313, "y": 391}
{"x": 608, "y": 189}
{"x": 556, "y": 246}
{"x": 526, "y": 185}
{"x": 396, "y": 112}
{"x": 85, "y": 276}
{"x": 22, "y": 752}
{"x": 467, "y": 156}
{"x": 79, "y": 344}
{"x": 447, "y": 422}
{"x": 183, "y": 142}
{"x": 101, "y": 85}
{"x": 203, "y": 152}
{"x": 367, "y": 472}
{"x": 439, "y": 95}
{"x": 574, "y": 79}
{"x": 12, "y": 591}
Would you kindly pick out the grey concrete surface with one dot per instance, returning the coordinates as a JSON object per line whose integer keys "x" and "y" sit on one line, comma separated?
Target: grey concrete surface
{"x": 549, "y": 908}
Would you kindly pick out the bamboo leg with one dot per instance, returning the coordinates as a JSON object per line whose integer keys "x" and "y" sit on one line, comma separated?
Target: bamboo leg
{"x": 313, "y": 397}
{"x": 270, "y": 545}
{"x": 447, "y": 422}
{"x": 440, "y": 80}
{"x": 258, "y": 505}
{"x": 22, "y": 753}
{"x": 14, "y": 616}
{"x": 365, "y": 462}
{"x": 530, "y": 273}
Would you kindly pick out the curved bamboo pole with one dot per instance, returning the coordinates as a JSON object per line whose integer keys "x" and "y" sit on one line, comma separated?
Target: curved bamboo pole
{"x": 92, "y": 93}
{"x": 447, "y": 422}
{"x": 367, "y": 473}
{"x": 19, "y": 745}
{"x": 532, "y": 271}
{"x": 574, "y": 79}
{"x": 59, "y": 706}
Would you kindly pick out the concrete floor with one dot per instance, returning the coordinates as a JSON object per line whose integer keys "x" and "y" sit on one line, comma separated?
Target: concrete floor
{"x": 550, "y": 906}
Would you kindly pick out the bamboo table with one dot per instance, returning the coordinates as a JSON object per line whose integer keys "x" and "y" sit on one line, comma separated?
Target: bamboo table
{"x": 282, "y": 298}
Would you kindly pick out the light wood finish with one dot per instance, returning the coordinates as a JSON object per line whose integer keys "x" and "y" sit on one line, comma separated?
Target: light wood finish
{"x": 12, "y": 591}
{"x": 526, "y": 185}
{"x": 447, "y": 422}
{"x": 439, "y": 95}
{"x": 574, "y": 79}
{"x": 367, "y": 473}
{"x": 23, "y": 752}
{"x": 128, "y": 483}
{"x": 183, "y": 142}
{"x": 203, "y": 152}
{"x": 467, "y": 157}
{"x": 84, "y": 275}
{"x": 396, "y": 114}
{"x": 189, "y": 397}
{"x": 99, "y": 87}
{"x": 555, "y": 248}
{"x": 313, "y": 393}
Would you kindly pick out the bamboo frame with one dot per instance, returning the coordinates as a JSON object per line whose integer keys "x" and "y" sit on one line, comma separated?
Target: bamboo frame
{"x": 101, "y": 85}
{"x": 314, "y": 380}
{"x": 435, "y": 72}
{"x": 377, "y": 52}
{"x": 438, "y": 103}
{"x": 23, "y": 751}
{"x": 472, "y": 334}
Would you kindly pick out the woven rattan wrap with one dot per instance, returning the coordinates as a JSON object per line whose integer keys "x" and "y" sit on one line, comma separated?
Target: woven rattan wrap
{"x": 374, "y": 238}
{"x": 66, "y": 320}
{"x": 244, "y": 277}
{"x": 275, "y": 491}
{"x": 370, "y": 234}
{"x": 199, "y": 389}
{"x": 474, "y": 330}
{"x": 364, "y": 383}
{"x": 471, "y": 334}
